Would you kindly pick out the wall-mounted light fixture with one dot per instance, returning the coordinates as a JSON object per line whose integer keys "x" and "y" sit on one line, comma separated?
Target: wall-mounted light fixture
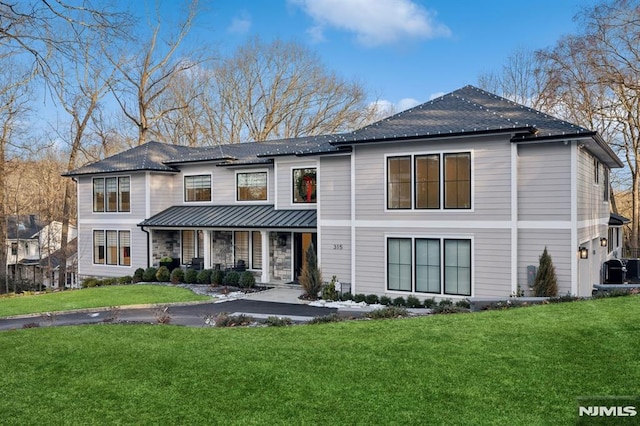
{"x": 603, "y": 242}
{"x": 584, "y": 253}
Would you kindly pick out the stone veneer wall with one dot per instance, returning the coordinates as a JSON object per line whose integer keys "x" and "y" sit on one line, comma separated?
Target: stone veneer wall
{"x": 165, "y": 244}
{"x": 222, "y": 248}
{"x": 280, "y": 256}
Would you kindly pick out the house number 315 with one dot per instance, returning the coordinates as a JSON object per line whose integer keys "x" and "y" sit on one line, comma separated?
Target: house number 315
{"x": 337, "y": 246}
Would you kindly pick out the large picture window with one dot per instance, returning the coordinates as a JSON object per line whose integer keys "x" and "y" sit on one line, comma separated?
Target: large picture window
{"x": 111, "y": 247}
{"x": 429, "y": 265}
{"x": 429, "y": 181}
{"x": 197, "y": 188}
{"x": 251, "y": 186}
{"x": 112, "y": 194}
{"x": 304, "y": 185}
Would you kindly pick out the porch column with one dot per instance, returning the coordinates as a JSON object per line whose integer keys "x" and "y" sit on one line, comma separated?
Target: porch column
{"x": 207, "y": 248}
{"x": 265, "y": 257}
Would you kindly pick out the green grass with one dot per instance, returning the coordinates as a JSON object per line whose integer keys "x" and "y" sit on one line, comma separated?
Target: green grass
{"x": 94, "y": 298}
{"x": 522, "y": 366}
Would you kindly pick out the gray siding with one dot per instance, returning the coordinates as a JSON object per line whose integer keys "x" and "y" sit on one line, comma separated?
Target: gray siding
{"x": 491, "y": 169}
{"x": 531, "y": 244}
{"x": 85, "y": 252}
{"x": 591, "y": 203}
{"x": 284, "y": 171}
{"x": 544, "y": 182}
{"x": 335, "y": 252}
{"x": 491, "y": 259}
{"x": 335, "y": 188}
{"x": 163, "y": 189}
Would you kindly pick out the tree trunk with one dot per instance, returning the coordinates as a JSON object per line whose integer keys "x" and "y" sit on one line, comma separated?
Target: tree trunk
{"x": 635, "y": 202}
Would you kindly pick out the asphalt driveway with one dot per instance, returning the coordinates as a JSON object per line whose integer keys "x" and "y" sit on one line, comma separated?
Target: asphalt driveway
{"x": 188, "y": 314}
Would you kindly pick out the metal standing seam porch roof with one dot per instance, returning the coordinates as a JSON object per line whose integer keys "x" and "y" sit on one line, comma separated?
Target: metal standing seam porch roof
{"x": 256, "y": 216}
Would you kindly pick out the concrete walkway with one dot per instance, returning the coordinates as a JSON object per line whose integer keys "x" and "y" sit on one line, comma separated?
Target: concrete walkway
{"x": 281, "y": 295}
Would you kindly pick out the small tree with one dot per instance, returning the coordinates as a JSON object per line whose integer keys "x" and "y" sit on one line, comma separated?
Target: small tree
{"x": 310, "y": 276}
{"x": 546, "y": 281}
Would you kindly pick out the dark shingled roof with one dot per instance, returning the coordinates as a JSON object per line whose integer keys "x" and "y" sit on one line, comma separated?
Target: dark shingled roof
{"x": 257, "y": 216}
{"x": 23, "y": 227}
{"x": 617, "y": 220}
{"x": 56, "y": 257}
{"x": 150, "y": 156}
{"x": 465, "y": 111}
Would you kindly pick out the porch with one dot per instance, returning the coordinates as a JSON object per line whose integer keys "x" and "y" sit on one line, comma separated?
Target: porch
{"x": 269, "y": 243}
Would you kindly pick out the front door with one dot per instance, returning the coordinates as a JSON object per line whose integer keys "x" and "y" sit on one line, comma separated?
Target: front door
{"x": 301, "y": 242}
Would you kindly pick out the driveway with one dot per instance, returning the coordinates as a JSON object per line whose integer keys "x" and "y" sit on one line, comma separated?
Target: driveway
{"x": 188, "y": 314}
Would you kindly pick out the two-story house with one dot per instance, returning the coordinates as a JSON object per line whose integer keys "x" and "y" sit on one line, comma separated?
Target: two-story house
{"x": 457, "y": 197}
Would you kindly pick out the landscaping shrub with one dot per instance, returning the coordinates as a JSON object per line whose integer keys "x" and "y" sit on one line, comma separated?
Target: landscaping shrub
{"x": 177, "y": 276}
{"x": 204, "y": 276}
{"x": 399, "y": 301}
{"x": 329, "y": 290}
{"x": 360, "y": 297}
{"x": 413, "y": 302}
{"x": 191, "y": 276}
{"x": 385, "y": 300}
{"x": 445, "y": 302}
{"x": 617, "y": 292}
{"x": 149, "y": 274}
{"x": 449, "y": 309}
{"x": 326, "y": 318}
{"x": 217, "y": 277}
{"x": 225, "y": 320}
{"x": 346, "y": 296}
{"x": 429, "y": 303}
{"x": 546, "y": 281}
{"x": 137, "y": 275}
{"x": 127, "y": 279}
{"x": 564, "y": 298}
{"x": 310, "y": 276}
{"x": 274, "y": 321}
{"x": 388, "y": 312}
{"x": 90, "y": 282}
{"x": 247, "y": 280}
{"x": 371, "y": 299}
{"x": 232, "y": 278}
{"x": 464, "y": 303}
{"x": 108, "y": 281}
{"x": 163, "y": 275}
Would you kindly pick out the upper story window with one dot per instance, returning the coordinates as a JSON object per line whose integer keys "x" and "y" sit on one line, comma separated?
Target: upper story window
{"x": 596, "y": 171}
{"x": 112, "y": 194}
{"x": 251, "y": 186}
{"x": 432, "y": 185}
{"x": 197, "y": 188}
{"x": 304, "y": 185}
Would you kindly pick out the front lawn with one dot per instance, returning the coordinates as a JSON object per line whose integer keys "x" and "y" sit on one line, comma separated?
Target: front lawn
{"x": 94, "y": 298}
{"x": 521, "y": 366}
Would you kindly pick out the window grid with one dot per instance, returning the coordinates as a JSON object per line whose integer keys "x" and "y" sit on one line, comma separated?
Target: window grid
{"x": 112, "y": 194}
{"x": 439, "y": 266}
{"x": 112, "y": 247}
{"x": 197, "y": 188}
{"x": 429, "y": 181}
{"x": 256, "y": 250}
{"x": 188, "y": 245}
{"x": 251, "y": 186}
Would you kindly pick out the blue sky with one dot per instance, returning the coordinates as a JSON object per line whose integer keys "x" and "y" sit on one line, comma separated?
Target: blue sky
{"x": 402, "y": 51}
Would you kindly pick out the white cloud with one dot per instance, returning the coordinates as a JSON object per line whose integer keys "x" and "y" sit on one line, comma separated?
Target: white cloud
{"x": 384, "y": 108}
{"x": 240, "y": 24}
{"x": 376, "y": 22}
{"x": 436, "y": 95}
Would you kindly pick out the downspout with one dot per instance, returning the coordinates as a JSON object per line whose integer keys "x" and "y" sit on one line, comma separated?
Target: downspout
{"x": 148, "y": 244}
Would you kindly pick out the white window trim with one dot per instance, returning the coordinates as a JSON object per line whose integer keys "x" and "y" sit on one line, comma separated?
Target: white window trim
{"x": 414, "y": 154}
{"x": 440, "y": 237}
{"x": 184, "y": 188}
{"x": 235, "y": 185}
{"x": 104, "y": 211}
{"x": 302, "y": 206}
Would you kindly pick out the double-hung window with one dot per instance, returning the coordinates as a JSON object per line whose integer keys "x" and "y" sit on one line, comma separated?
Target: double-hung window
{"x": 197, "y": 188}
{"x": 112, "y": 194}
{"x": 111, "y": 247}
{"x": 251, "y": 186}
{"x": 429, "y": 181}
{"x": 248, "y": 248}
{"x": 440, "y": 266}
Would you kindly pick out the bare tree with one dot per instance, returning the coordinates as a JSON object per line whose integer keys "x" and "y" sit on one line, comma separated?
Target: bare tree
{"x": 145, "y": 77}
{"x": 594, "y": 79}
{"x": 280, "y": 90}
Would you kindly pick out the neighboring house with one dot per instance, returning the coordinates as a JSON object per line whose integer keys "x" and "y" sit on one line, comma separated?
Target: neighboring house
{"x": 457, "y": 197}
{"x": 50, "y": 266}
{"x": 28, "y": 241}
